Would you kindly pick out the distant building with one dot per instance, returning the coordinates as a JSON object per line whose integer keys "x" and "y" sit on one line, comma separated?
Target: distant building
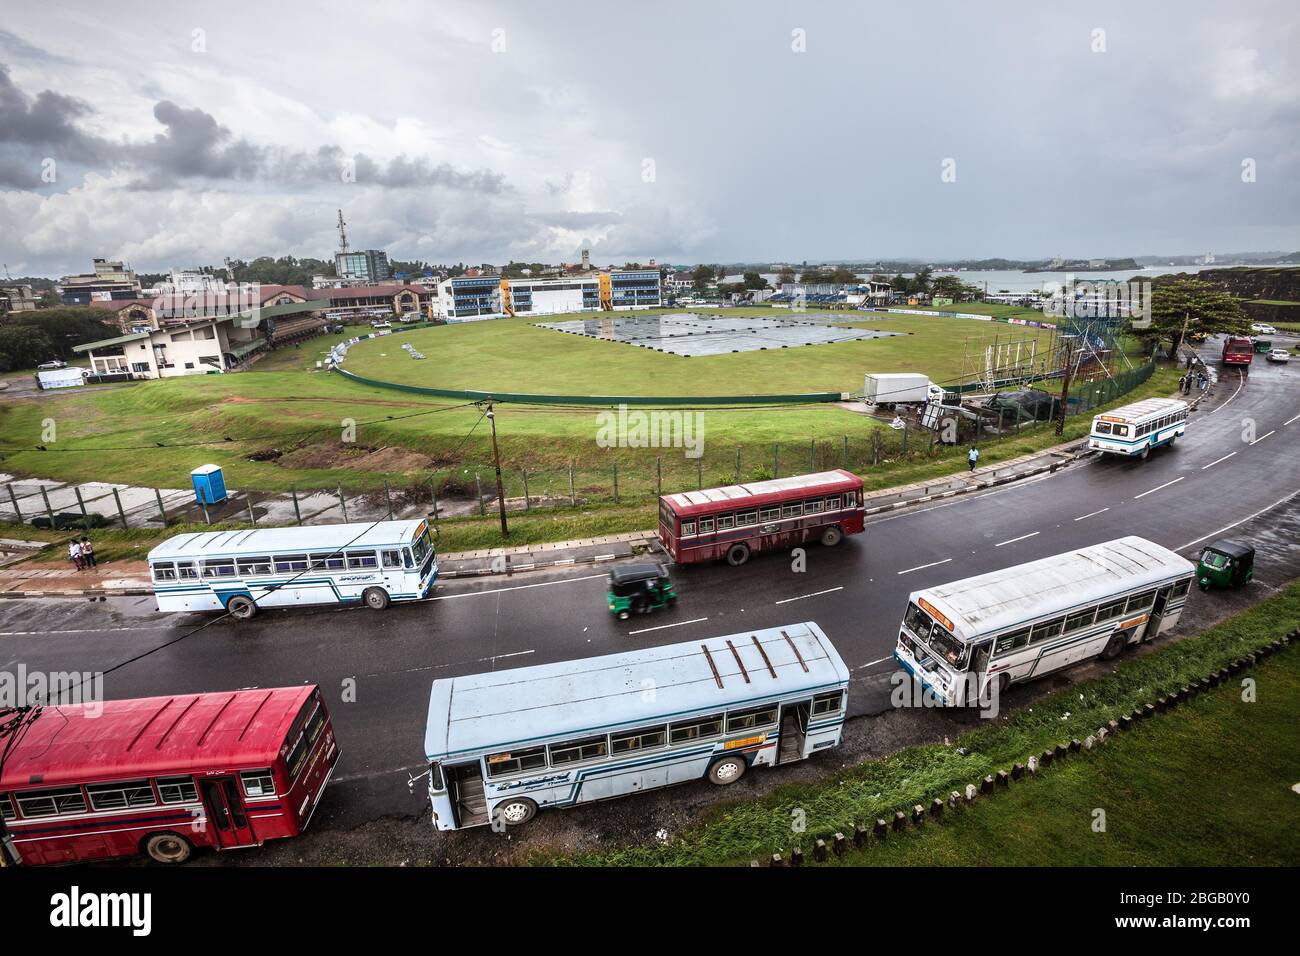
{"x": 488, "y": 297}
{"x": 368, "y": 265}
{"x": 110, "y": 280}
{"x": 17, "y": 298}
{"x": 191, "y": 282}
{"x": 372, "y": 301}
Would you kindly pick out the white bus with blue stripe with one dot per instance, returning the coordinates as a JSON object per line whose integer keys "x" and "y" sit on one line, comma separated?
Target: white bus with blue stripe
{"x": 1019, "y": 623}
{"x": 503, "y": 745}
{"x": 1133, "y": 430}
{"x": 371, "y": 563}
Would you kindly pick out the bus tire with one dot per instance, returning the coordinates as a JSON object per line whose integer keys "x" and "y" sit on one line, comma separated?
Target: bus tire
{"x": 516, "y": 811}
{"x": 737, "y": 554}
{"x": 169, "y": 848}
{"x": 1113, "y": 648}
{"x": 1146, "y": 452}
{"x": 376, "y": 598}
{"x": 832, "y": 536}
{"x": 727, "y": 770}
{"x": 241, "y": 608}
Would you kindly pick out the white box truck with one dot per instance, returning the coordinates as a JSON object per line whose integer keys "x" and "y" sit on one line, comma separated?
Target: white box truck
{"x": 900, "y": 388}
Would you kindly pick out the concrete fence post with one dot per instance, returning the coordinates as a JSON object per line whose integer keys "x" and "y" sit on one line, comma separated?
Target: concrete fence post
{"x": 206, "y": 517}
{"x": 846, "y": 452}
{"x": 252, "y": 518}
{"x": 162, "y": 512}
{"x": 527, "y": 497}
{"x": 737, "y": 464}
{"x": 433, "y": 492}
{"x": 85, "y": 518}
{"x": 812, "y": 454}
{"x": 343, "y": 504}
{"x": 48, "y": 510}
{"x": 18, "y": 513}
{"x": 573, "y": 498}
{"x": 776, "y": 460}
{"x": 478, "y": 489}
{"x": 297, "y": 512}
{"x": 388, "y": 497}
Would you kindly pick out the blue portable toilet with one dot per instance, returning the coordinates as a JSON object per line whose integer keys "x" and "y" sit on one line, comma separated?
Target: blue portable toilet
{"x": 209, "y": 484}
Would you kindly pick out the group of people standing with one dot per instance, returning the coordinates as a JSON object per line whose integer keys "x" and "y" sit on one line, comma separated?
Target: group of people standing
{"x": 81, "y": 553}
{"x": 1197, "y": 378}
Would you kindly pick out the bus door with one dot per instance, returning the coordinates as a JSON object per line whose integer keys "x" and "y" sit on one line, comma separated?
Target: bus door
{"x": 465, "y": 788}
{"x": 794, "y": 731}
{"x": 1158, "y": 611}
{"x": 226, "y": 814}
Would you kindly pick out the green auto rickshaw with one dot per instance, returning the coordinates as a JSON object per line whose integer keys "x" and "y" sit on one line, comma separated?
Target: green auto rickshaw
{"x": 639, "y": 589}
{"x": 1225, "y": 564}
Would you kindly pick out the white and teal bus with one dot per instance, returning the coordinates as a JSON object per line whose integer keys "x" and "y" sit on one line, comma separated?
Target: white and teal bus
{"x": 1133, "y": 430}
{"x": 1025, "y": 621}
{"x": 240, "y": 571}
{"x": 505, "y": 744}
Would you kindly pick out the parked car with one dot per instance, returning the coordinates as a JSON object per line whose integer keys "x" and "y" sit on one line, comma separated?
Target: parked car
{"x": 48, "y": 366}
{"x": 1263, "y": 328}
{"x": 1279, "y": 355}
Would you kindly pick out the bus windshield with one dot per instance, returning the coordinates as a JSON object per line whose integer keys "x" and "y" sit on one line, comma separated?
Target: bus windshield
{"x": 933, "y": 635}
{"x": 422, "y": 545}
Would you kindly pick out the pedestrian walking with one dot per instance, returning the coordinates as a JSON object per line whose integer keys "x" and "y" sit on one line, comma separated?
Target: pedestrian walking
{"x": 1182, "y": 382}
{"x": 973, "y": 457}
{"x": 74, "y": 555}
{"x": 88, "y": 553}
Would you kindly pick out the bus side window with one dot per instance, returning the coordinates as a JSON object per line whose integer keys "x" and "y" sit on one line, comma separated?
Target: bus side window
{"x": 1080, "y": 619}
{"x": 827, "y": 703}
{"x": 392, "y": 559}
{"x": 688, "y": 528}
{"x": 1107, "y": 611}
{"x": 1042, "y": 632}
{"x": 6, "y": 807}
{"x": 1012, "y": 641}
{"x": 1180, "y": 589}
{"x": 1140, "y": 602}
{"x": 185, "y": 570}
{"x": 499, "y": 765}
{"x": 706, "y": 526}
{"x": 164, "y": 571}
{"x": 406, "y": 558}
{"x": 726, "y": 522}
{"x": 833, "y": 503}
{"x": 746, "y": 519}
{"x": 359, "y": 560}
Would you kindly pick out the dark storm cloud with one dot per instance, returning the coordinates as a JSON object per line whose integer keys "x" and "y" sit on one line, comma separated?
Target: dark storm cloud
{"x": 194, "y": 145}
{"x": 32, "y": 127}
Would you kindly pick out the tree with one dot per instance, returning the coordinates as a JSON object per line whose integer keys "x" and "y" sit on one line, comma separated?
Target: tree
{"x": 1185, "y": 308}
{"x": 702, "y": 277}
{"x": 67, "y": 326}
{"x": 23, "y": 346}
{"x": 752, "y": 280}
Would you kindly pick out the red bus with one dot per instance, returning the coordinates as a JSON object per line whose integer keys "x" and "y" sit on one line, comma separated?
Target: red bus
{"x": 1238, "y": 350}
{"x": 735, "y": 521}
{"x": 164, "y": 775}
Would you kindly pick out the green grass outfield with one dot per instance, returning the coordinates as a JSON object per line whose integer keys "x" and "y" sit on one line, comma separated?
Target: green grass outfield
{"x": 1164, "y": 803}
{"x": 514, "y": 355}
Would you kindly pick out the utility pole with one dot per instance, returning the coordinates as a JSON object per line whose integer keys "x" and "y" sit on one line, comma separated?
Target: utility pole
{"x": 496, "y": 455}
{"x": 1065, "y": 384}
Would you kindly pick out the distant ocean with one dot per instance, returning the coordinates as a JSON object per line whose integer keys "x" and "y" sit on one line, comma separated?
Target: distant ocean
{"x": 1013, "y": 280}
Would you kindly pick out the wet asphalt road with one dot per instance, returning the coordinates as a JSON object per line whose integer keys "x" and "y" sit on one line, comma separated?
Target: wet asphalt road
{"x": 1219, "y": 474}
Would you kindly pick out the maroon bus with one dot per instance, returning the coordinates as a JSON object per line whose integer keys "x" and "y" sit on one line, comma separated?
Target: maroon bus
{"x": 163, "y": 775}
{"x": 735, "y": 521}
{"x": 1238, "y": 350}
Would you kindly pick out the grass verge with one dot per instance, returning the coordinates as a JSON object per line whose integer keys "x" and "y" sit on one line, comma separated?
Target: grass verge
{"x": 738, "y": 832}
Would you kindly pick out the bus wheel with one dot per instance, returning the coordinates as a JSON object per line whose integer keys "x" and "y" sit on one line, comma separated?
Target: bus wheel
{"x": 241, "y": 608}
{"x": 1146, "y": 452}
{"x": 516, "y": 812}
{"x": 737, "y": 555}
{"x": 727, "y": 770}
{"x": 376, "y": 598}
{"x": 168, "y": 848}
{"x": 832, "y": 536}
{"x": 1112, "y": 648}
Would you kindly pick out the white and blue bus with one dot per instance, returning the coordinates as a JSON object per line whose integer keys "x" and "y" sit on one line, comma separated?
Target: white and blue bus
{"x": 1022, "y": 622}
{"x": 240, "y": 571}
{"x": 505, "y": 744}
{"x": 1133, "y": 430}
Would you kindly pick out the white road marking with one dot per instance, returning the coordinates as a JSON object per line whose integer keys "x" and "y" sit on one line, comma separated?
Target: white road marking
{"x": 873, "y": 663}
{"x": 930, "y": 565}
{"x": 1158, "y": 487}
{"x": 1261, "y": 438}
{"x": 647, "y": 630}
{"x": 1014, "y": 540}
{"x": 1217, "y": 460}
{"x": 1242, "y": 376}
{"x": 1090, "y": 514}
{"x": 88, "y": 630}
{"x": 814, "y": 594}
{"x": 1280, "y": 501}
{"x": 517, "y": 587}
{"x": 434, "y": 667}
{"x": 1290, "y": 420}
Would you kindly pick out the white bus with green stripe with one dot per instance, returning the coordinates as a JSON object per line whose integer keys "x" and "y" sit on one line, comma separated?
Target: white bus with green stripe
{"x": 503, "y": 745}
{"x": 372, "y": 563}
{"x": 1133, "y": 430}
{"x": 996, "y": 629}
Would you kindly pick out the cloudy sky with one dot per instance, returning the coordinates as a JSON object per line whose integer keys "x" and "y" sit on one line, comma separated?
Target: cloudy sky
{"x": 179, "y": 133}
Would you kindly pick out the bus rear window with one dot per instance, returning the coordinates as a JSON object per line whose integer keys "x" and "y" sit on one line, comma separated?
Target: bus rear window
{"x": 1101, "y": 428}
